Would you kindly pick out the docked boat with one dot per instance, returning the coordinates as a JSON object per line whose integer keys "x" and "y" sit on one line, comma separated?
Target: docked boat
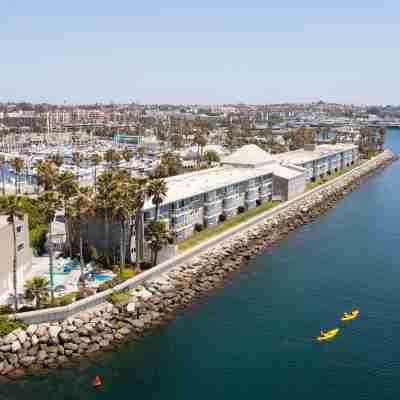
{"x": 328, "y": 335}
{"x": 352, "y": 315}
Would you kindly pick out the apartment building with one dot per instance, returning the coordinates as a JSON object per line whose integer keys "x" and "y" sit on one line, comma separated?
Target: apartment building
{"x": 246, "y": 179}
{"x": 24, "y": 255}
{"x": 323, "y": 160}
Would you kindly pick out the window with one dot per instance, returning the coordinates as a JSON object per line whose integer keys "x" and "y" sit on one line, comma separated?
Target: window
{"x": 19, "y": 228}
{"x": 20, "y": 246}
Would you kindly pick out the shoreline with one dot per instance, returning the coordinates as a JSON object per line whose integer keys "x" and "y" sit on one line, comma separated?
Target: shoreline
{"x": 59, "y": 344}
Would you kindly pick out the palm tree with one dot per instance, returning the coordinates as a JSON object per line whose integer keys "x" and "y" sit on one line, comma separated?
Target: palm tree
{"x": 157, "y": 237}
{"x": 122, "y": 209}
{"x": 82, "y": 206}
{"x": 127, "y": 155}
{"x": 46, "y": 172}
{"x": 157, "y": 191}
{"x": 12, "y": 206}
{"x": 112, "y": 157}
{"x": 138, "y": 189}
{"x": 49, "y": 204}
{"x": 37, "y": 289}
{"x": 103, "y": 199}
{"x": 77, "y": 159}
{"x": 3, "y": 176}
{"x": 67, "y": 186}
{"x": 18, "y": 165}
{"x": 96, "y": 159}
{"x": 211, "y": 156}
{"x": 140, "y": 151}
{"x": 57, "y": 159}
{"x": 200, "y": 140}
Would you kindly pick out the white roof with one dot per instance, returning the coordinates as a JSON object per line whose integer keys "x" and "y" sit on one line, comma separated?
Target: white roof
{"x": 249, "y": 155}
{"x": 192, "y": 184}
{"x": 302, "y": 156}
{"x": 288, "y": 172}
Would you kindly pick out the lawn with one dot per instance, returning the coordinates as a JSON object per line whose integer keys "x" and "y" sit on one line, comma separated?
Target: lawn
{"x": 199, "y": 237}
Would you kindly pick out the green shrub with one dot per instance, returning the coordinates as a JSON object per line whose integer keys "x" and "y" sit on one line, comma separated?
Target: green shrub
{"x": 7, "y": 326}
{"x": 37, "y": 238}
{"x": 241, "y": 210}
{"x": 128, "y": 273}
{"x": 198, "y": 227}
{"x": 121, "y": 298}
{"x": 65, "y": 300}
{"x": 92, "y": 254}
{"x": 4, "y": 310}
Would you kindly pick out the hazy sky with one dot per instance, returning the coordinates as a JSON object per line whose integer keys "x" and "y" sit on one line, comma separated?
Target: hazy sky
{"x": 220, "y": 51}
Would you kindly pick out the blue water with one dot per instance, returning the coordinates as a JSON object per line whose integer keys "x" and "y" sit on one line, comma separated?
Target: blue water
{"x": 255, "y": 338}
{"x": 58, "y": 277}
{"x": 103, "y": 278}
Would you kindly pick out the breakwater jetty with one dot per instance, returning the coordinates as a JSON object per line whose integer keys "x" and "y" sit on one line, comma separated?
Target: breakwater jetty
{"x": 54, "y": 344}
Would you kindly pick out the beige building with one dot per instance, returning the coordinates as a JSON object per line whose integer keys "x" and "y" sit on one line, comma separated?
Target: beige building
{"x": 24, "y": 255}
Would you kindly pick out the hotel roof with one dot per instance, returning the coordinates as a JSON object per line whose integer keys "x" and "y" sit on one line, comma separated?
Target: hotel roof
{"x": 302, "y": 156}
{"x": 249, "y": 155}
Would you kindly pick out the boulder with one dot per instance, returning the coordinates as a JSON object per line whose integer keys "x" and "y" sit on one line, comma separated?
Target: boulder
{"x": 15, "y": 346}
{"x": 137, "y": 323}
{"x": 131, "y": 307}
{"x": 54, "y": 331}
{"x": 70, "y": 346}
{"x": 65, "y": 337}
{"x": 85, "y": 317}
{"x": 27, "y": 361}
{"x": 5, "y": 348}
{"x": 10, "y": 338}
{"x": 31, "y": 330}
{"x": 34, "y": 340}
{"x": 41, "y": 331}
{"x": 21, "y": 335}
{"x": 42, "y": 355}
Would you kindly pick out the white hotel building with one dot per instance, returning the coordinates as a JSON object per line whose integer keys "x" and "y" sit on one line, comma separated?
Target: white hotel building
{"x": 246, "y": 178}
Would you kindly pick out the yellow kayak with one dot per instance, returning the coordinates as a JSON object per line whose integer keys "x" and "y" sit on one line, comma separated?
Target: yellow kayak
{"x": 328, "y": 335}
{"x": 352, "y": 315}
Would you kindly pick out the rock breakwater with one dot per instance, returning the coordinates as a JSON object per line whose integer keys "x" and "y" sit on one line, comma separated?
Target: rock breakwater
{"x": 52, "y": 345}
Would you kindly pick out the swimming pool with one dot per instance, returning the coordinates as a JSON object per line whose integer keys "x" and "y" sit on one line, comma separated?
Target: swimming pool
{"x": 58, "y": 278}
{"x": 103, "y": 277}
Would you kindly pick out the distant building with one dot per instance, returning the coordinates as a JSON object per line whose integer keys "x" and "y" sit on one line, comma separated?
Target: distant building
{"x": 131, "y": 141}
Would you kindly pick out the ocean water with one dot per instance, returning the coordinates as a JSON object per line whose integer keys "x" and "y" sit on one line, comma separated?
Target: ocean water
{"x": 255, "y": 337}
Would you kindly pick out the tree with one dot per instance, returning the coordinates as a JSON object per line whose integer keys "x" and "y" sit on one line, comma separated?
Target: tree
{"x": 157, "y": 191}
{"x": 46, "y": 172}
{"x": 49, "y": 204}
{"x": 67, "y": 186}
{"x": 200, "y": 140}
{"x": 96, "y": 159}
{"x": 211, "y": 156}
{"x": 172, "y": 163}
{"x": 77, "y": 159}
{"x": 3, "y": 176}
{"x": 82, "y": 207}
{"x": 57, "y": 159}
{"x": 112, "y": 157}
{"x": 127, "y": 155}
{"x": 140, "y": 151}
{"x": 157, "y": 237}
{"x": 122, "y": 209}
{"x": 103, "y": 200}
{"x": 18, "y": 165}
{"x": 37, "y": 289}
{"x": 11, "y": 206}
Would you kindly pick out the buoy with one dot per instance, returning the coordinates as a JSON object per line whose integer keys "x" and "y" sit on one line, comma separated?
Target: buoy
{"x": 97, "y": 381}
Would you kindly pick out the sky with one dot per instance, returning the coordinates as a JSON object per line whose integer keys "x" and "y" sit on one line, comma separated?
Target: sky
{"x": 214, "y": 52}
